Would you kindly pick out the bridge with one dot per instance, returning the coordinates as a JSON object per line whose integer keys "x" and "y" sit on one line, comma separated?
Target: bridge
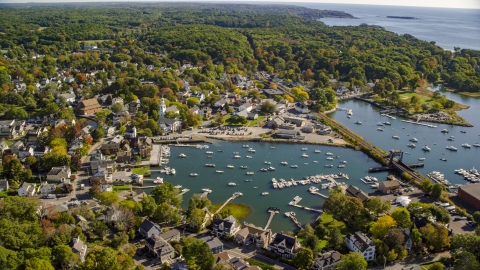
{"x": 393, "y": 161}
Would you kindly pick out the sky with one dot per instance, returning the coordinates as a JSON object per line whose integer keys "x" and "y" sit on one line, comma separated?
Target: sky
{"x": 469, "y": 4}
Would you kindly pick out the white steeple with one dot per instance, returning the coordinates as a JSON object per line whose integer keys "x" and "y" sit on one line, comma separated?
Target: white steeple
{"x": 163, "y": 108}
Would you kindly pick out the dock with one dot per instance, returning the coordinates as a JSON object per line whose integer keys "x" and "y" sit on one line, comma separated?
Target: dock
{"x": 332, "y": 178}
{"x": 235, "y": 195}
{"x": 291, "y": 215}
{"x": 183, "y": 191}
{"x": 273, "y": 211}
{"x": 295, "y": 202}
{"x": 319, "y": 194}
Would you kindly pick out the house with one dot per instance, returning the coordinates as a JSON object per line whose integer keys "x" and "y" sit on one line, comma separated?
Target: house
{"x": 251, "y": 233}
{"x": 79, "y": 248}
{"x": 26, "y": 189}
{"x": 299, "y": 122}
{"x": 275, "y": 121}
{"x": 124, "y": 156}
{"x": 102, "y": 166}
{"x": 205, "y": 112}
{"x": 284, "y": 245}
{"x": 59, "y": 173}
{"x": 238, "y": 263}
{"x": 4, "y": 185}
{"x": 327, "y": 260}
{"x": 407, "y": 238}
{"x": 360, "y": 242}
{"x": 194, "y": 109}
{"x": 160, "y": 248}
{"x": 88, "y": 106}
{"x": 354, "y": 191}
{"x": 170, "y": 125}
{"x": 60, "y": 122}
{"x": 286, "y": 134}
{"x": 225, "y": 227}
{"x": 271, "y": 93}
{"x": 243, "y": 113}
{"x": 24, "y": 152}
{"x": 252, "y": 116}
{"x": 46, "y": 188}
{"x": 173, "y": 109}
{"x": 216, "y": 246}
{"x": 105, "y": 188}
{"x": 301, "y": 107}
{"x": 198, "y": 95}
{"x": 112, "y": 146}
{"x": 109, "y": 131}
{"x": 147, "y": 229}
{"x": 110, "y": 215}
{"x": 40, "y": 151}
{"x": 69, "y": 97}
{"x": 221, "y": 103}
{"x": 308, "y": 129}
{"x": 388, "y": 186}
{"x": 246, "y": 106}
{"x": 342, "y": 90}
{"x": 171, "y": 235}
{"x": 130, "y": 132}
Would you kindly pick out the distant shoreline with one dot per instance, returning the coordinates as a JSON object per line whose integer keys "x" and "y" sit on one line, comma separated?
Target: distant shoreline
{"x": 403, "y": 17}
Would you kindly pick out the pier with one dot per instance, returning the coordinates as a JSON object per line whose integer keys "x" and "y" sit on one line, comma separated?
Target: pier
{"x": 235, "y": 195}
{"x": 295, "y": 202}
{"x": 183, "y": 191}
{"x": 273, "y": 211}
{"x": 291, "y": 215}
{"x": 209, "y": 216}
{"x": 319, "y": 194}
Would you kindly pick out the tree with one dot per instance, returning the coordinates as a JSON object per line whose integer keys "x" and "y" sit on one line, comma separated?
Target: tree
{"x": 117, "y": 107}
{"x": 64, "y": 256}
{"x": 219, "y": 119}
{"x": 125, "y": 219}
{"x": 148, "y": 206}
{"x": 436, "y": 236}
{"x": 108, "y": 198}
{"x": 303, "y": 259}
{"x": 119, "y": 240}
{"x": 9, "y": 208}
{"x": 8, "y": 259}
{"x": 440, "y": 214}
{"x": 192, "y": 101}
{"x": 198, "y": 255}
{"x": 437, "y": 266}
{"x": 401, "y": 217}
{"x": 100, "y": 259}
{"x": 58, "y": 142}
{"x": 437, "y": 190}
{"x": 35, "y": 264}
{"x": 336, "y": 239}
{"x": 98, "y": 134}
{"x": 101, "y": 116}
{"x": 76, "y": 163}
{"x": 267, "y": 107}
{"x": 376, "y": 206}
{"x": 381, "y": 227}
{"x": 416, "y": 236}
{"x": 99, "y": 229}
{"x": 353, "y": 260}
{"x": 395, "y": 240}
{"x": 311, "y": 241}
{"x": 476, "y": 217}
{"x": 196, "y": 218}
{"x": 166, "y": 193}
{"x": 466, "y": 261}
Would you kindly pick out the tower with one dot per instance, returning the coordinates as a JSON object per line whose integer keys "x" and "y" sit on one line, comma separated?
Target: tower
{"x": 163, "y": 108}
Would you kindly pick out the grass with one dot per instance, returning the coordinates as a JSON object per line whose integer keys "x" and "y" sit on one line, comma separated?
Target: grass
{"x": 256, "y": 121}
{"x": 121, "y": 188}
{"x": 328, "y": 221}
{"x": 262, "y": 265}
{"x": 141, "y": 170}
{"x": 3, "y": 194}
{"x": 93, "y": 42}
{"x": 9, "y": 143}
{"x": 239, "y": 211}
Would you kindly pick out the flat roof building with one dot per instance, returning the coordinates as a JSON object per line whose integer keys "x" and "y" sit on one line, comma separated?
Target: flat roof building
{"x": 470, "y": 194}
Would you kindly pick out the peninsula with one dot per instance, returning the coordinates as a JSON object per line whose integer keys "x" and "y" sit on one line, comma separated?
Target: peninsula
{"x": 402, "y": 17}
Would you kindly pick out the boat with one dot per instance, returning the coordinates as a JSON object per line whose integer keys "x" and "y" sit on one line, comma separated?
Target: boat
{"x": 251, "y": 150}
{"x": 209, "y": 165}
{"x": 413, "y": 140}
{"x": 350, "y": 112}
{"x": 230, "y": 166}
{"x": 248, "y": 180}
{"x": 245, "y": 146}
{"x": 209, "y": 152}
{"x": 315, "y": 161}
{"x": 304, "y": 155}
{"x": 294, "y": 166}
{"x": 248, "y": 156}
{"x": 329, "y": 154}
{"x": 243, "y": 167}
{"x": 193, "y": 174}
{"x": 237, "y": 156}
{"x": 387, "y": 123}
{"x": 343, "y": 161}
{"x": 349, "y": 116}
{"x": 182, "y": 155}
{"x": 444, "y": 131}
{"x": 284, "y": 163}
{"x": 265, "y": 193}
{"x": 329, "y": 158}
{"x": 421, "y": 159}
{"x": 426, "y": 148}
{"x": 219, "y": 150}
{"x": 218, "y": 171}
{"x": 451, "y": 138}
{"x": 209, "y": 157}
{"x": 463, "y": 131}
{"x": 411, "y": 145}
{"x": 451, "y": 148}
{"x": 466, "y": 145}
{"x": 443, "y": 159}
{"x": 236, "y": 153}
{"x": 374, "y": 186}
{"x": 317, "y": 151}
{"x": 272, "y": 147}
{"x": 358, "y": 122}
{"x": 178, "y": 186}
{"x": 380, "y": 124}
{"x": 267, "y": 162}
{"x": 380, "y": 129}
{"x": 476, "y": 144}
{"x": 158, "y": 181}
{"x": 341, "y": 166}
{"x": 264, "y": 170}
{"x": 396, "y": 137}
{"x": 207, "y": 190}
{"x": 329, "y": 165}
{"x": 250, "y": 173}
{"x": 232, "y": 184}
{"x": 271, "y": 169}
{"x": 173, "y": 172}
{"x": 304, "y": 149}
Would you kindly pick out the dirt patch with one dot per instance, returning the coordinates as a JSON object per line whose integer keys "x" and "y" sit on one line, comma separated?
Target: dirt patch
{"x": 424, "y": 92}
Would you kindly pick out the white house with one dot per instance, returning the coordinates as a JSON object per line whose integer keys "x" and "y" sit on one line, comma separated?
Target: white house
{"x": 246, "y": 106}
{"x": 198, "y": 95}
{"x": 284, "y": 245}
{"x": 301, "y": 107}
{"x": 24, "y": 152}
{"x": 360, "y": 242}
{"x": 26, "y": 189}
{"x": 79, "y": 248}
{"x": 172, "y": 109}
{"x": 104, "y": 188}
{"x": 221, "y": 103}
{"x": 225, "y": 227}
{"x": 170, "y": 125}
{"x": 46, "y": 188}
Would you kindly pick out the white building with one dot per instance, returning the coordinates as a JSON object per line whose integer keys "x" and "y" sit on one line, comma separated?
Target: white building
{"x": 360, "y": 242}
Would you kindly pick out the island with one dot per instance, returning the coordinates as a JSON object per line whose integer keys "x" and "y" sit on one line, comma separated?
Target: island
{"x": 402, "y": 17}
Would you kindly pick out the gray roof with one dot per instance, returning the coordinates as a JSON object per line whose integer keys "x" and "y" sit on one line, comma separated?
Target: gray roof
{"x": 287, "y": 240}
{"x": 361, "y": 241}
{"x": 147, "y": 225}
{"x": 212, "y": 242}
{"x": 328, "y": 258}
{"x": 354, "y": 191}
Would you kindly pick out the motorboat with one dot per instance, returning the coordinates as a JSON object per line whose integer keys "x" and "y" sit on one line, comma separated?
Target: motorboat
{"x": 230, "y": 166}
{"x": 245, "y": 146}
{"x": 248, "y": 156}
{"x": 194, "y": 174}
{"x": 329, "y": 154}
{"x": 264, "y": 170}
{"x": 358, "y": 122}
{"x": 304, "y": 149}
{"x": 315, "y": 161}
{"x": 343, "y": 161}
{"x": 265, "y": 193}
{"x": 421, "y": 159}
{"x": 284, "y": 163}
{"x": 396, "y": 137}
{"x": 329, "y": 165}
{"x": 272, "y": 147}
{"x": 411, "y": 145}
{"x": 451, "y": 148}
{"x": 387, "y": 123}
{"x": 237, "y": 156}
{"x": 218, "y": 171}
{"x": 380, "y": 129}
{"x": 182, "y": 155}
{"x": 248, "y": 180}
{"x": 413, "y": 140}
{"x": 476, "y": 144}
{"x": 444, "y": 131}
{"x": 243, "y": 167}
{"x": 232, "y": 184}
{"x": 158, "y": 181}
{"x": 466, "y": 145}
{"x": 349, "y": 112}
{"x": 317, "y": 151}
{"x": 304, "y": 155}
{"x": 271, "y": 169}
{"x": 209, "y": 165}
{"x": 443, "y": 159}
{"x": 341, "y": 166}
{"x": 173, "y": 172}
{"x": 463, "y": 131}
{"x": 349, "y": 116}
{"x": 267, "y": 162}
{"x": 329, "y": 158}
{"x": 294, "y": 166}
{"x": 250, "y": 173}
{"x": 209, "y": 152}
{"x": 251, "y": 150}
{"x": 426, "y": 148}
{"x": 178, "y": 186}
{"x": 452, "y": 138}
{"x": 219, "y": 150}
{"x": 380, "y": 124}
{"x": 207, "y": 190}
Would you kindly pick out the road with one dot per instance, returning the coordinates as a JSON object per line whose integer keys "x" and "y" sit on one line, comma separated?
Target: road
{"x": 250, "y": 252}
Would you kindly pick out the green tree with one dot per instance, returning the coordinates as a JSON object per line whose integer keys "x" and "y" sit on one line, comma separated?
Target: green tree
{"x": 402, "y": 217}
{"x": 116, "y": 108}
{"x": 437, "y": 190}
{"x": 192, "y": 101}
{"x": 436, "y": 236}
{"x": 101, "y": 116}
{"x": 197, "y": 254}
{"x": 100, "y": 259}
{"x": 353, "y": 260}
{"x": 376, "y": 206}
{"x": 381, "y": 227}
{"x": 35, "y": 264}
{"x": 466, "y": 261}
{"x": 108, "y": 198}
{"x": 63, "y": 255}
{"x": 303, "y": 259}
{"x": 267, "y": 107}
{"x": 98, "y": 134}
{"x": 336, "y": 239}
{"x": 8, "y": 259}
{"x": 437, "y": 266}
{"x": 99, "y": 229}
{"x": 440, "y": 214}
{"x": 476, "y": 217}
{"x": 18, "y": 236}
{"x": 10, "y": 210}
{"x": 218, "y": 119}
{"x": 311, "y": 241}
{"x": 119, "y": 240}
{"x": 166, "y": 193}
{"x": 148, "y": 206}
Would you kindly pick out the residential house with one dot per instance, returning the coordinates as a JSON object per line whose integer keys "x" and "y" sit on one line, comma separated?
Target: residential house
{"x": 194, "y": 109}
{"x": 16, "y": 146}
{"x": 39, "y": 150}
{"x": 257, "y": 235}
{"x": 160, "y": 248}
{"x": 225, "y": 227}
{"x": 26, "y": 189}
{"x": 148, "y": 229}
{"x": 124, "y": 156}
{"x": 238, "y": 263}
{"x": 172, "y": 109}
{"x": 46, "y": 188}
{"x": 4, "y": 184}
{"x": 215, "y": 245}
{"x": 69, "y": 97}
{"x": 3, "y": 146}
{"x": 246, "y": 106}
{"x": 61, "y": 122}
{"x": 130, "y": 132}
{"x": 117, "y": 100}
{"x": 252, "y": 116}
{"x": 222, "y": 257}
{"x": 110, "y": 215}
{"x": 198, "y": 95}
{"x": 171, "y": 235}
{"x": 170, "y": 125}
{"x": 79, "y": 247}
{"x": 89, "y": 106}
{"x": 221, "y": 103}
{"x": 388, "y": 186}
{"x": 205, "y": 112}
{"x": 277, "y": 120}
{"x": 284, "y": 245}
{"x": 105, "y": 188}
{"x": 7, "y": 128}
{"x": 134, "y": 106}
{"x": 354, "y": 191}
{"x": 59, "y": 173}
{"x": 327, "y": 260}
{"x": 301, "y": 107}
{"x": 102, "y": 166}
{"x": 271, "y": 93}
{"x": 342, "y": 90}
{"x": 243, "y": 113}
{"x": 112, "y": 146}
{"x": 360, "y": 242}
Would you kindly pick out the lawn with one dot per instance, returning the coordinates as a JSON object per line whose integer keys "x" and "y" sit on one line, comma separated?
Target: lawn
{"x": 93, "y": 42}
{"x": 121, "y": 188}
{"x": 256, "y": 121}
{"x": 141, "y": 170}
{"x": 9, "y": 143}
{"x": 260, "y": 264}
{"x": 3, "y": 194}
{"x": 330, "y": 222}
{"x": 239, "y": 211}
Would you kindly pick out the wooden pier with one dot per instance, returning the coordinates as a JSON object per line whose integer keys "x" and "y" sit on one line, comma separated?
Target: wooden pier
{"x": 319, "y": 194}
{"x": 226, "y": 202}
{"x": 183, "y": 192}
{"x": 273, "y": 211}
{"x": 295, "y": 202}
{"x": 291, "y": 215}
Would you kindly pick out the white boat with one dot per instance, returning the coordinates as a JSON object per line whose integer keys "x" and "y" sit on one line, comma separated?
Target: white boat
{"x": 304, "y": 155}
{"x": 411, "y": 145}
{"x": 421, "y": 159}
{"x": 387, "y": 123}
{"x": 329, "y": 154}
{"x": 443, "y": 159}
{"x": 466, "y": 145}
{"x": 237, "y": 156}
{"x": 304, "y": 149}
{"x": 264, "y": 170}
{"x": 243, "y": 167}
{"x": 284, "y": 163}
{"x": 426, "y": 148}
{"x": 232, "y": 184}
{"x": 207, "y": 190}
{"x": 271, "y": 169}
{"x": 476, "y": 144}
{"x": 218, "y": 171}
{"x": 358, "y": 123}
{"x": 185, "y": 190}
{"x": 193, "y": 174}
{"x": 374, "y": 186}
{"x": 251, "y": 150}
{"x": 315, "y": 161}
{"x": 158, "y": 181}
{"x": 248, "y": 180}
{"x": 329, "y": 165}
{"x": 451, "y": 148}
{"x": 344, "y": 161}
{"x": 349, "y": 112}
{"x": 250, "y": 173}
{"x": 317, "y": 151}
{"x": 329, "y": 158}
{"x": 230, "y": 166}
{"x": 219, "y": 150}
{"x": 294, "y": 166}
{"x": 209, "y": 152}
{"x": 396, "y": 137}
{"x": 245, "y": 146}
{"x": 380, "y": 124}
{"x": 173, "y": 172}
{"x": 248, "y": 156}
{"x": 178, "y": 186}
{"x": 380, "y": 129}
{"x": 444, "y": 131}
{"x": 341, "y": 166}
{"x": 349, "y": 116}
{"x": 267, "y": 162}
{"x": 413, "y": 140}
{"x": 272, "y": 147}
{"x": 265, "y": 193}
{"x": 182, "y": 155}
{"x": 209, "y": 165}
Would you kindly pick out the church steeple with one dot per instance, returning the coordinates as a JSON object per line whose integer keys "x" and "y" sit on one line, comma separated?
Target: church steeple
{"x": 163, "y": 108}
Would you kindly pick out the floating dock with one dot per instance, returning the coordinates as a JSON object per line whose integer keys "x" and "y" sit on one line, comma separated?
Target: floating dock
{"x": 291, "y": 215}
